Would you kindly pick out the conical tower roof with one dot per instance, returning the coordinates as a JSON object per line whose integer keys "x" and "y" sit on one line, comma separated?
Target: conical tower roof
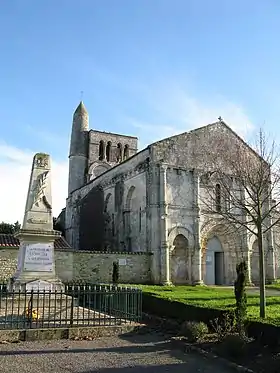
{"x": 81, "y": 109}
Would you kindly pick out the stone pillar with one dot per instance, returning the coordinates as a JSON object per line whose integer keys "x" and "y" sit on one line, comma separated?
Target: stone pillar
{"x": 197, "y": 257}
{"x": 153, "y": 221}
{"x": 247, "y": 258}
{"x": 270, "y": 257}
{"x": 164, "y": 249}
{"x": 269, "y": 254}
{"x": 246, "y": 254}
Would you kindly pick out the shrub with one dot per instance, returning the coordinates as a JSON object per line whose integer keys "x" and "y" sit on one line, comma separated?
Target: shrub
{"x": 193, "y": 330}
{"x": 116, "y": 272}
{"x": 235, "y": 345}
{"x": 224, "y": 326}
{"x": 240, "y": 297}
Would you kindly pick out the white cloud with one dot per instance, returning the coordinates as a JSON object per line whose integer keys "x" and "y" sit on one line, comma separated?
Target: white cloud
{"x": 15, "y": 168}
{"x": 177, "y": 111}
{"x": 150, "y": 132}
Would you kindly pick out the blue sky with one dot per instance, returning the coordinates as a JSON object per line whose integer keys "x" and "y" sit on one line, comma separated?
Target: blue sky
{"x": 150, "y": 68}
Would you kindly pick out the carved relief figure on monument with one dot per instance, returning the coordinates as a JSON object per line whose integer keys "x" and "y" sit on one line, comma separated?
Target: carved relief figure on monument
{"x": 39, "y": 190}
{"x": 42, "y": 160}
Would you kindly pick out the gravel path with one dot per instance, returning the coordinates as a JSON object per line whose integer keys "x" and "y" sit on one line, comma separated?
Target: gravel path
{"x": 131, "y": 354}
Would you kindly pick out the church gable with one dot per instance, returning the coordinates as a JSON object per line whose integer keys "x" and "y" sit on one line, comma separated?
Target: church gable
{"x": 189, "y": 149}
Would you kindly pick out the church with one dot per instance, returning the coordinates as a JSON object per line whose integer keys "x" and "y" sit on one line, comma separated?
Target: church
{"x": 124, "y": 200}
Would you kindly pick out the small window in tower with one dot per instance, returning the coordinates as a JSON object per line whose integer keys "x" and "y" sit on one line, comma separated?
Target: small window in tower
{"x": 108, "y": 151}
{"x": 101, "y": 150}
{"x": 218, "y": 197}
{"x": 119, "y": 152}
{"x": 126, "y": 152}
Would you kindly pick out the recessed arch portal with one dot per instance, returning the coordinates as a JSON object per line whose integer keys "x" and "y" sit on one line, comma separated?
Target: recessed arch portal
{"x": 180, "y": 269}
{"x": 181, "y": 247}
{"x": 217, "y": 234}
{"x": 214, "y": 257}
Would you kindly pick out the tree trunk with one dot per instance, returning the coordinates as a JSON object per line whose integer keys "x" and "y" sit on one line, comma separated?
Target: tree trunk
{"x": 262, "y": 273}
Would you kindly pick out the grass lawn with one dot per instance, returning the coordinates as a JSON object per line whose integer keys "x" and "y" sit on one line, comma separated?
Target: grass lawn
{"x": 214, "y": 297}
{"x": 274, "y": 286}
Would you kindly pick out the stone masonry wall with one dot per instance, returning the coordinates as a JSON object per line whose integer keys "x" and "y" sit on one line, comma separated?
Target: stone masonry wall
{"x": 8, "y": 263}
{"x": 98, "y": 267}
{"x": 87, "y": 266}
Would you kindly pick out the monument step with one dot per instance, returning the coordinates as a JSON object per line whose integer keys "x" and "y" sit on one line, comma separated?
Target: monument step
{"x": 51, "y": 307}
{"x": 21, "y": 302}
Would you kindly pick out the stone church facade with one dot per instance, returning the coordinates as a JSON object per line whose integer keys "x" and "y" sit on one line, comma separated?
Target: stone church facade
{"x": 122, "y": 200}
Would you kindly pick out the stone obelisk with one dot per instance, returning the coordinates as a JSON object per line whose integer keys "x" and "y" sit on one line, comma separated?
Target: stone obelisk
{"x": 36, "y": 262}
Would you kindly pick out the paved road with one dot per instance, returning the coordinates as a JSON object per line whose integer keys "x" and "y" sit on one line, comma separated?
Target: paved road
{"x": 133, "y": 354}
{"x": 269, "y": 292}
{"x": 256, "y": 291}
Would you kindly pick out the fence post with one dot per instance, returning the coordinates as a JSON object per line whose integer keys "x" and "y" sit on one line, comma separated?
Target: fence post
{"x": 72, "y": 311}
{"x": 30, "y": 308}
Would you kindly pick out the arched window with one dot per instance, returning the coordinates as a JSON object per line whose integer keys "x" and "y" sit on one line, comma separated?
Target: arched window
{"x": 119, "y": 152}
{"x": 108, "y": 151}
{"x": 101, "y": 150}
{"x": 218, "y": 197}
{"x": 126, "y": 152}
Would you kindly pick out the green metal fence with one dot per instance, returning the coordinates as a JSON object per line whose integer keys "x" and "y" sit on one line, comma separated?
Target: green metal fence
{"x": 77, "y": 305}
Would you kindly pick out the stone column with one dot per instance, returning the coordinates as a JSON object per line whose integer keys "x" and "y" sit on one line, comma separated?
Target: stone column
{"x": 247, "y": 258}
{"x": 197, "y": 257}
{"x": 246, "y": 255}
{"x": 270, "y": 257}
{"x": 269, "y": 254}
{"x": 153, "y": 221}
{"x": 164, "y": 249}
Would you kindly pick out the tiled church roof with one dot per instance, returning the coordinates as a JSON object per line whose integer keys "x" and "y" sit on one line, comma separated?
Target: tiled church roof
{"x": 8, "y": 240}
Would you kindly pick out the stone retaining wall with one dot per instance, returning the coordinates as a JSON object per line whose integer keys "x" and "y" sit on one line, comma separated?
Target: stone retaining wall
{"x": 87, "y": 266}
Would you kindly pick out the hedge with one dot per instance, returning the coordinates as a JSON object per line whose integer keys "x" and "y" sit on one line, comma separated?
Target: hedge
{"x": 268, "y": 334}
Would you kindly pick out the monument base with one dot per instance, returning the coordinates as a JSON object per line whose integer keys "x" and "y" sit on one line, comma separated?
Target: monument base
{"x": 36, "y": 263}
{"x": 25, "y": 284}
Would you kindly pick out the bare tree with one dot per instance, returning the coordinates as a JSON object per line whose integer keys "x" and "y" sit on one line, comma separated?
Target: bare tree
{"x": 243, "y": 188}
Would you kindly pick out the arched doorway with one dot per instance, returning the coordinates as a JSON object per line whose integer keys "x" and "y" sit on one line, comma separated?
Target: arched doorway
{"x": 180, "y": 261}
{"x": 255, "y": 263}
{"x": 214, "y": 258}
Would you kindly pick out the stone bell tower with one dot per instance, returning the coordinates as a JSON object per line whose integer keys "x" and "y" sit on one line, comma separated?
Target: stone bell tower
{"x": 78, "y": 154}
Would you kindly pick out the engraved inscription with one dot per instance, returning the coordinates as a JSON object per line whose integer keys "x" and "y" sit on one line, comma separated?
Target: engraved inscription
{"x": 37, "y": 221}
{"x": 38, "y": 258}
